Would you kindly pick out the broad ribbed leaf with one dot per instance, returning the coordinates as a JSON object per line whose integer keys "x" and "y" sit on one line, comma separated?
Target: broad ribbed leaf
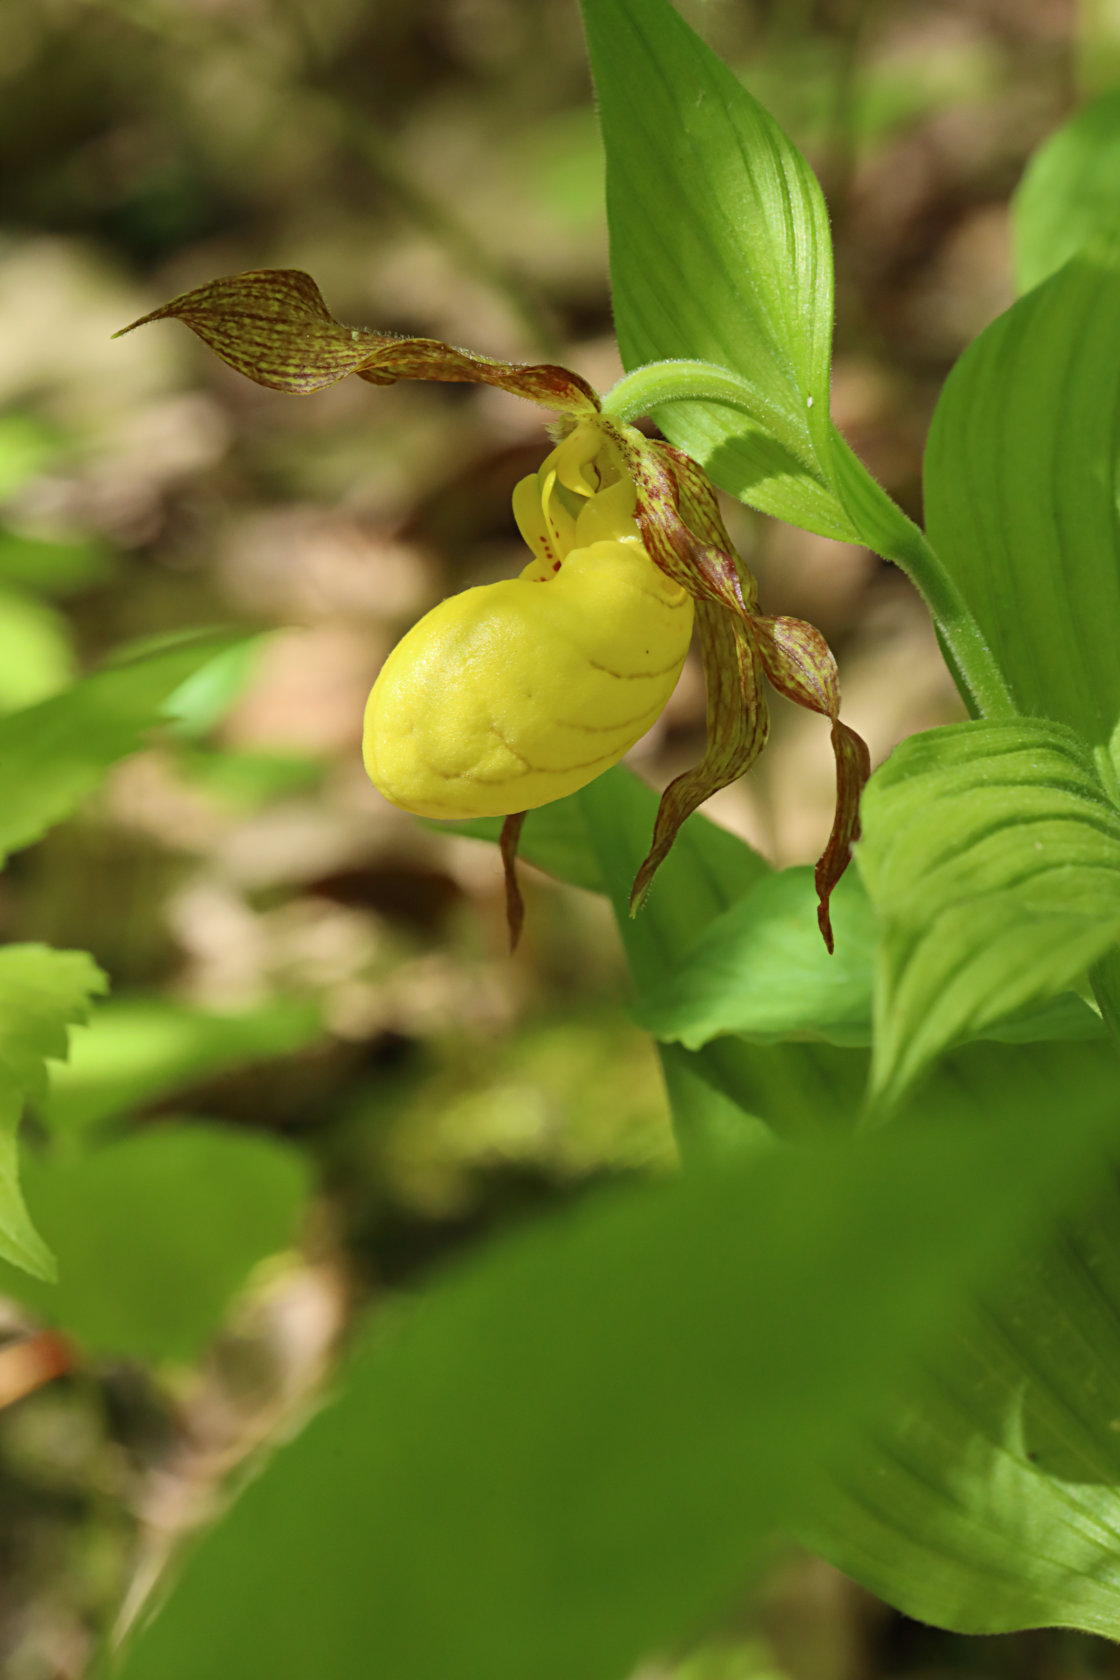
{"x": 1069, "y": 196}
{"x": 987, "y": 1497}
{"x": 720, "y": 251}
{"x": 991, "y": 854}
{"x": 42, "y": 993}
{"x": 589, "y": 1429}
{"x": 1021, "y": 494}
{"x": 155, "y": 1233}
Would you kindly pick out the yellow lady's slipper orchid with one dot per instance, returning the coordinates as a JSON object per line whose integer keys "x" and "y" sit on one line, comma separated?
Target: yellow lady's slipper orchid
{"x": 516, "y": 693}
{"x": 513, "y": 694}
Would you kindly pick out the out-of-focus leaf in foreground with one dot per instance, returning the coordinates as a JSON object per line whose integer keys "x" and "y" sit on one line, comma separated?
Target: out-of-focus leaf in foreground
{"x": 591, "y": 1428}
{"x": 42, "y": 993}
{"x": 155, "y": 1232}
{"x": 1069, "y": 197}
{"x": 986, "y": 1496}
{"x": 52, "y": 755}
{"x": 991, "y": 854}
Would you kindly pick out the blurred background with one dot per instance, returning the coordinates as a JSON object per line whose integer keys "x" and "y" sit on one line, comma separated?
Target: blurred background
{"x": 288, "y": 954}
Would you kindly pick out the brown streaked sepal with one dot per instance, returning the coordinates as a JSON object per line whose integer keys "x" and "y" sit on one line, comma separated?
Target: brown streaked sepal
{"x": 272, "y": 325}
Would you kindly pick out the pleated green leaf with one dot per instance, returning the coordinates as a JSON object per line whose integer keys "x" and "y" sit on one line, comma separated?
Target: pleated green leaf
{"x": 1069, "y": 197}
{"x": 991, "y": 854}
{"x": 42, "y": 994}
{"x": 567, "y": 1457}
{"x": 1021, "y": 495}
{"x": 720, "y": 251}
{"x": 987, "y": 1495}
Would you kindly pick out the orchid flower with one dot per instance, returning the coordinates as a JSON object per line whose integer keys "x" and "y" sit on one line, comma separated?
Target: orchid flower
{"x": 508, "y": 696}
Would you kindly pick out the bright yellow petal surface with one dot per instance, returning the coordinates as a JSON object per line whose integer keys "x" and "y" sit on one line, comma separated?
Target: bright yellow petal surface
{"x": 517, "y": 693}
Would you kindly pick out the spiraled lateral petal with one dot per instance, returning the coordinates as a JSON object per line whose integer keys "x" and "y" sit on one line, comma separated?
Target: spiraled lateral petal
{"x": 799, "y": 664}
{"x": 703, "y": 559}
{"x": 738, "y": 725}
{"x": 272, "y": 325}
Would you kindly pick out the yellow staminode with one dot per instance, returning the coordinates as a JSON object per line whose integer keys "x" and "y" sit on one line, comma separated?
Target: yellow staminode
{"x": 516, "y": 693}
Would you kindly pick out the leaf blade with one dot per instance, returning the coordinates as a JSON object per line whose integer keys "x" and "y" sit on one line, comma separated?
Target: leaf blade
{"x": 561, "y": 1439}
{"x": 992, "y": 856}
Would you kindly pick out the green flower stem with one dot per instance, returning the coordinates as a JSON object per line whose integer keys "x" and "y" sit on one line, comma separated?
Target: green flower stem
{"x": 649, "y": 388}
{"x": 885, "y": 528}
{"x": 880, "y": 523}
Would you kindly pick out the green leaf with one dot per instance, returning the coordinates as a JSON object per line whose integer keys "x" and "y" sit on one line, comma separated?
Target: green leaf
{"x": 745, "y": 280}
{"x": 761, "y": 969}
{"x": 42, "y": 992}
{"x": 992, "y": 857}
{"x": 144, "y": 1049}
{"x": 599, "y": 837}
{"x": 799, "y": 1088}
{"x": 591, "y": 1428}
{"x": 1021, "y": 500}
{"x": 1069, "y": 196}
{"x": 758, "y": 970}
{"x": 726, "y": 325}
{"x": 54, "y": 754}
{"x": 986, "y": 1497}
{"x": 155, "y": 1233}
{"x": 36, "y": 658}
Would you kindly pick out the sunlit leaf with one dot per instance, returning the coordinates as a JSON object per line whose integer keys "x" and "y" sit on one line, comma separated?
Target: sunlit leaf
{"x": 590, "y": 1429}
{"x": 36, "y": 658}
{"x": 42, "y": 993}
{"x": 142, "y": 1049}
{"x": 1021, "y": 499}
{"x": 991, "y": 854}
{"x": 52, "y": 755}
{"x": 744, "y": 281}
{"x": 154, "y": 1233}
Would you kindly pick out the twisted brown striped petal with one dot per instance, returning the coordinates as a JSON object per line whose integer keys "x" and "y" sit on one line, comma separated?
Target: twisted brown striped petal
{"x": 272, "y": 325}
{"x": 799, "y": 663}
{"x": 738, "y": 724}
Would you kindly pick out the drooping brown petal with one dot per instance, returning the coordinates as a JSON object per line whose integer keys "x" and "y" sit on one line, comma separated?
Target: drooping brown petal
{"x": 515, "y": 904}
{"x": 699, "y": 508}
{"x": 799, "y": 663}
{"x": 738, "y": 724}
{"x": 703, "y": 560}
{"x": 272, "y": 325}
